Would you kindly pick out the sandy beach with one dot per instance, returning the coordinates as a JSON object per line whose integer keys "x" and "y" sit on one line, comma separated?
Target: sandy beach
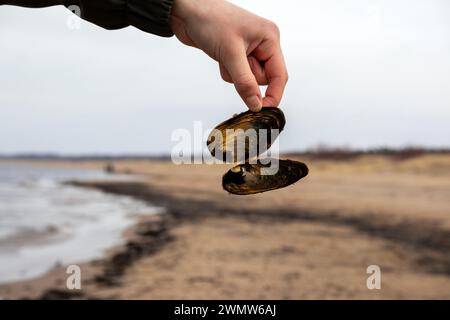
{"x": 313, "y": 240}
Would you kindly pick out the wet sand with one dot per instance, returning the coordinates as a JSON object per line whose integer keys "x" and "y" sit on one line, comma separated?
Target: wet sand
{"x": 312, "y": 240}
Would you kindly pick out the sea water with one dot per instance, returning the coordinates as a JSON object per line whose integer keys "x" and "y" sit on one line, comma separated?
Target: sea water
{"x": 45, "y": 223}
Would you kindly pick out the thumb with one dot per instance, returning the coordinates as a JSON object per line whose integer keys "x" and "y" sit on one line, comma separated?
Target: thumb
{"x": 244, "y": 81}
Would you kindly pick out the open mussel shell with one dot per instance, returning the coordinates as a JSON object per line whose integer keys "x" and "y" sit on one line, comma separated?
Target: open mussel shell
{"x": 248, "y": 178}
{"x": 246, "y": 135}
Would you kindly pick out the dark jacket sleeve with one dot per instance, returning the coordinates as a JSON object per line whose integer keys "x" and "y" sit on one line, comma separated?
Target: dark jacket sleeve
{"x": 148, "y": 15}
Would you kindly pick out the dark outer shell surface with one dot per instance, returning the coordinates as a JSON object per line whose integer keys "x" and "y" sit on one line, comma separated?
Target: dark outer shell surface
{"x": 245, "y": 179}
{"x": 268, "y": 118}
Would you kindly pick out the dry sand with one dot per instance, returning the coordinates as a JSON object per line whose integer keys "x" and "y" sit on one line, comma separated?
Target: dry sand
{"x": 312, "y": 240}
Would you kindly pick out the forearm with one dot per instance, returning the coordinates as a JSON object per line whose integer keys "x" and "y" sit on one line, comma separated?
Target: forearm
{"x": 32, "y": 3}
{"x": 148, "y": 15}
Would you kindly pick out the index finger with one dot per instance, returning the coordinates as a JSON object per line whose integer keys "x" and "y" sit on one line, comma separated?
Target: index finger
{"x": 277, "y": 76}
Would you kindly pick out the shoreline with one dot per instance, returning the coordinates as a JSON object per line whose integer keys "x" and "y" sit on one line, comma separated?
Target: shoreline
{"x": 416, "y": 235}
{"x": 146, "y": 235}
{"x": 416, "y": 246}
{"x": 46, "y": 223}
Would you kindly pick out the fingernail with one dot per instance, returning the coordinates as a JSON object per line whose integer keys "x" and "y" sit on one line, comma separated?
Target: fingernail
{"x": 254, "y": 103}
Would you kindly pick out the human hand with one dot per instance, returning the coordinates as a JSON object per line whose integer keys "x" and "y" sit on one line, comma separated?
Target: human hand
{"x": 246, "y": 46}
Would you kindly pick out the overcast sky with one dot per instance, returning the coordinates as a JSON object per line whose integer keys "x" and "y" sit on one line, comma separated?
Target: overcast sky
{"x": 362, "y": 74}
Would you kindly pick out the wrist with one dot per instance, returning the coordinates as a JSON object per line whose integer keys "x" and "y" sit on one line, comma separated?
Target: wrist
{"x": 178, "y": 11}
{"x": 185, "y": 10}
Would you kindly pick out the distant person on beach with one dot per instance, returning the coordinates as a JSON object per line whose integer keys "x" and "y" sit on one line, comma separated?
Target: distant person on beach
{"x": 246, "y": 46}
